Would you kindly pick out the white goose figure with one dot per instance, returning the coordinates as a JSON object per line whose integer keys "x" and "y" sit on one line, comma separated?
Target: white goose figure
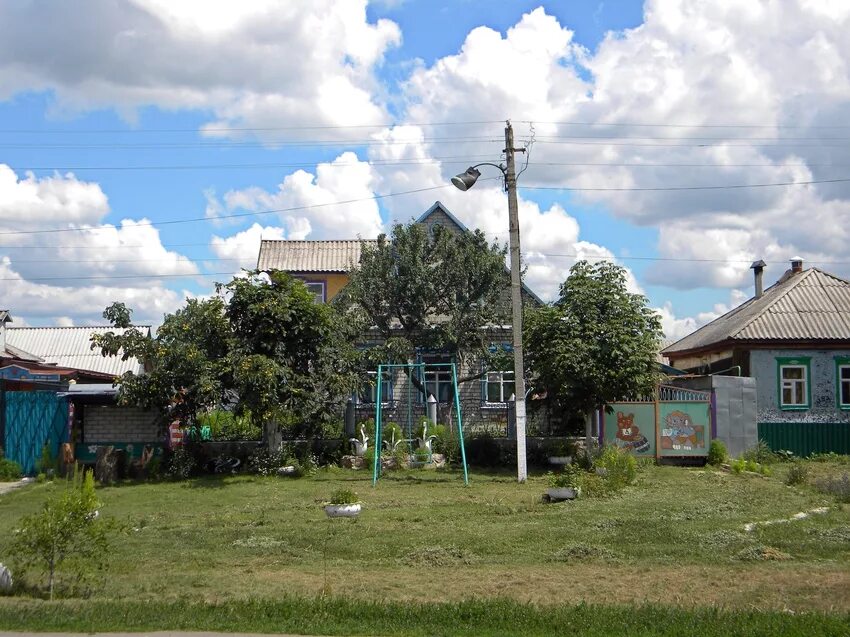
{"x": 360, "y": 444}
{"x": 425, "y": 441}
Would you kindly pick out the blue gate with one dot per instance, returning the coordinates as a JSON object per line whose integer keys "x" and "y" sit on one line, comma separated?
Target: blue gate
{"x": 33, "y": 419}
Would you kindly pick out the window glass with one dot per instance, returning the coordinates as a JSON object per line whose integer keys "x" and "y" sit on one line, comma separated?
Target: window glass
{"x": 317, "y": 289}
{"x": 794, "y": 385}
{"x": 844, "y": 385}
{"x": 499, "y": 387}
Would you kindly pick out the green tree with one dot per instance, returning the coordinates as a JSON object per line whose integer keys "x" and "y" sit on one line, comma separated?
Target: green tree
{"x": 596, "y": 344}
{"x": 262, "y": 346}
{"x": 67, "y": 535}
{"x": 437, "y": 290}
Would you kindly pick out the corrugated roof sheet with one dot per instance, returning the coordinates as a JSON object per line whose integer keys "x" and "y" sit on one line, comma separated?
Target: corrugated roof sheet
{"x": 810, "y": 306}
{"x": 71, "y": 347}
{"x": 310, "y": 256}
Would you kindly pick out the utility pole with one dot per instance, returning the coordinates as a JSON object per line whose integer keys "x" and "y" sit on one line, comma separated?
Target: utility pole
{"x": 516, "y": 302}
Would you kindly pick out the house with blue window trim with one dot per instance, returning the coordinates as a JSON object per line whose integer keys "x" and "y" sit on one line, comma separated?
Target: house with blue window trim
{"x": 794, "y": 339}
{"x": 324, "y": 266}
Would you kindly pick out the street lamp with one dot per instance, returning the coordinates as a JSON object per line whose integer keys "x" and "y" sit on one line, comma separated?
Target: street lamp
{"x": 464, "y": 182}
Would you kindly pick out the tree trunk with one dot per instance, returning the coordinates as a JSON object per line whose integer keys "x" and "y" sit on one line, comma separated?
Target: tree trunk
{"x": 272, "y": 437}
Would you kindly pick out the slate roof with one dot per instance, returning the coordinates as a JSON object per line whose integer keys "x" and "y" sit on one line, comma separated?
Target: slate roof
{"x": 310, "y": 256}
{"x": 812, "y": 305}
{"x": 70, "y": 347}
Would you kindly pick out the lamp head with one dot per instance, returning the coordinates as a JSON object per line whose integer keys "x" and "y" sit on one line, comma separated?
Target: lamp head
{"x": 466, "y": 180}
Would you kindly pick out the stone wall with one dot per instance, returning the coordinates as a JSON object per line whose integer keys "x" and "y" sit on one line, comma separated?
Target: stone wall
{"x": 109, "y": 423}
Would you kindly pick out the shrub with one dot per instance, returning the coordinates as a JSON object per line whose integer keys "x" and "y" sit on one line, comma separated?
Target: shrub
{"x": 838, "y": 487}
{"x": 572, "y": 476}
{"x": 760, "y": 452}
{"x": 9, "y": 470}
{"x": 225, "y": 425}
{"x": 181, "y": 464}
{"x": 67, "y": 535}
{"x": 738, "y": 465}
{"x": 717, "y": 453}
{"x": 798, "y": 473}
{"x": 620, "y": 467}
{"x": 483, "y": 451}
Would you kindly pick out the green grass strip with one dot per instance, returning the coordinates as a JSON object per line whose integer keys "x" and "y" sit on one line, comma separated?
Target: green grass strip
{"x": 343, "y": 616}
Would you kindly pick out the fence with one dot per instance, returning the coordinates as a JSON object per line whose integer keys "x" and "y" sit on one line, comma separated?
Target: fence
{"x": 675, "y": 422}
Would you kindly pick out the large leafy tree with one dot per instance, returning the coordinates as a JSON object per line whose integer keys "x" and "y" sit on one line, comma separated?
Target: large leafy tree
{"x": 262, "y": 345}
{"x": 440, "y": 290}
{"x": 596, "y": 344}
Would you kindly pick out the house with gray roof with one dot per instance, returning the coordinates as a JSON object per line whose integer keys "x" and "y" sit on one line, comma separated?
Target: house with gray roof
{"x": 794, "y": 339}
{"x": 324, "y": 267}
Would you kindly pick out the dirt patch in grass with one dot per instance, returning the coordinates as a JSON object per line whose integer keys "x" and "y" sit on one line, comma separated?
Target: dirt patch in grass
{"x": 437, "y": 556}
{"x": 580, "y": 552}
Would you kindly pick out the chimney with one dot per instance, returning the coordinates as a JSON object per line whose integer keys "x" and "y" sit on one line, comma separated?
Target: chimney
{"x": 796, "y": 265}
{"x": 758, "y": 270}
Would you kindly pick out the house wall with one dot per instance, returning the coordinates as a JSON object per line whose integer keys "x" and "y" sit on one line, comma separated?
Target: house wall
{"x": 106, "y": 423}
{"x": 334, "y": 281}
{"x": 820, "y": 428}
{"x": 823, "y": 407}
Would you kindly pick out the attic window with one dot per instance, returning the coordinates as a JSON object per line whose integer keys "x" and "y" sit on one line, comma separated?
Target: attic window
{"x": 317, "y": 289}
{"x": 794, "y": 383}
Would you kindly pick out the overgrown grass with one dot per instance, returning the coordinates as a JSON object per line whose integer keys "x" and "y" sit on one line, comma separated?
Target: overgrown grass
{"x": 675, "y": 538}
{"x": 480, "y": 618}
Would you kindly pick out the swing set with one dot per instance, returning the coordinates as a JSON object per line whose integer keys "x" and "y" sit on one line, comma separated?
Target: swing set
{"x": 421, "y": 369}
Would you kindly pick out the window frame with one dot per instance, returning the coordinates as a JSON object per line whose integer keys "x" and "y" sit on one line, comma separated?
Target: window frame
{"x": 502, "y": 381}
{"x": 841, "y": 363}
{"x": 319, "y": 298}
{"x": 444, "y": 368}
{"x": 386, "y": 392}
{"x": 795, "y": 362}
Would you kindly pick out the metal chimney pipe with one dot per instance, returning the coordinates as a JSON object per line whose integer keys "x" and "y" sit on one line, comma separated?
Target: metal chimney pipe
{"x": 758, "y": 269}
{"x": 796, "y": 264}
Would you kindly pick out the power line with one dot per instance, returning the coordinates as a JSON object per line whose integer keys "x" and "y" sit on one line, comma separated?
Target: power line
{"x": 230, "y": 216}
{"x": 678, "y": 188}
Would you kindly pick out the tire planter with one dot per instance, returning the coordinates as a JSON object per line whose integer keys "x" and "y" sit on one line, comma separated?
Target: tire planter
{"x": 562, "y": 493}
{"x": 560, "y": 460}
{"x": 342, "y": 510}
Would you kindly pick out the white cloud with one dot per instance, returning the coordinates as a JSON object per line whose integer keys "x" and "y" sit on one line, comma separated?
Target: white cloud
{"x": 253, "y": 64}
{"x": 676, "y": 328}
{"x": 241, "y": 249}
{"x": 308, "y": 202}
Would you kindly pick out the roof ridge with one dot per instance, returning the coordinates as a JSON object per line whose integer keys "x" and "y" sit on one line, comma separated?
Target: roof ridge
{"x": 72, "y": 327}
{"x": 358, "y": 240}
{"x": 795, "y": 281}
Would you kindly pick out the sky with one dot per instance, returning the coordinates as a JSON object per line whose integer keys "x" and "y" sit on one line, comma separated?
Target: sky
{"x": 146, "y": 146}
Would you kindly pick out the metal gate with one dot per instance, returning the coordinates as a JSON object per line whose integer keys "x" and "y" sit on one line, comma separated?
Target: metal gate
{"x": 674, "y": 422}
{"x": 33, "y": 419}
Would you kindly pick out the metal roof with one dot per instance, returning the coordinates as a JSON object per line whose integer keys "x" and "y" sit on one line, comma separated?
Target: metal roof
{"x": 310, "y": 256}
{"x": 812, "y": 305}
{"x": 71, "y": 347}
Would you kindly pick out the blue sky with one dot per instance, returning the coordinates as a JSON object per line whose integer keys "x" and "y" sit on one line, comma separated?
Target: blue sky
{"x": 680, "y": 138}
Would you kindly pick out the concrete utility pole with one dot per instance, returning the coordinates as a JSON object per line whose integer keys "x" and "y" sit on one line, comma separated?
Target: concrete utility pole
{"x": 516, "y": 303}
{"x": 464, "y": 182}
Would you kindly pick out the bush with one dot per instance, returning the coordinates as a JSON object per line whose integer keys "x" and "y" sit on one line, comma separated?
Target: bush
{"x": 761, "y": 453}
{"x": 225, "y": 425}
{"x": 482, "y": 450}
{"x": 798, "y": 473}
{"x": 67, "y": 535}
{"x": 181, "y": 464}
{"x": 717, "y": 453}
{"x": 838, "y": 487}
{"x": 343, "y": 496}
{"x": 620, "y": 467}
{"x": 9, "y": 470}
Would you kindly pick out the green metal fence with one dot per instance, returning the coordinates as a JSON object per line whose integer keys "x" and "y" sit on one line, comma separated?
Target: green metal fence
{"x": 33, "y": 419}
{"x": 806, "y": 438}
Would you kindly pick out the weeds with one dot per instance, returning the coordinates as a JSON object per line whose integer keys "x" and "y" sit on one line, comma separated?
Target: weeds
{"x": 798, "y": 474}
{"x": 837, "y": 487}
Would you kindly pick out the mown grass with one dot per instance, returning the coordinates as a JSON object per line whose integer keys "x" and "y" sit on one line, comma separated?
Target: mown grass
{"x": 480, "y": 618}
{"x": 674, "y": 540}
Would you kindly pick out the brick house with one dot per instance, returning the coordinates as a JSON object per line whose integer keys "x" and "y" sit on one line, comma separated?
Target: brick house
{"x": 325, "y": 266}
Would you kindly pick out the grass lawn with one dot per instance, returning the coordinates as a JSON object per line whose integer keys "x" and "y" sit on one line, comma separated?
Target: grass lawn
{"x": 426, "y": 544}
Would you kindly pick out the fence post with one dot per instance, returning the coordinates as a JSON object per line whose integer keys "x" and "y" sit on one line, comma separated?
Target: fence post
{"x": 349, "y": 419}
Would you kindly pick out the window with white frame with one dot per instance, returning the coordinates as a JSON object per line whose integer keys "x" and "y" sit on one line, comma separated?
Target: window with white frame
{"x": 369, "y": 392}
{"x": 793, "y": 383}
{"x": 498, "y": 387}
{"x": 317, "y": 289}
{"x": 843, "y": 376}
{"x": 438, "y": 379}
